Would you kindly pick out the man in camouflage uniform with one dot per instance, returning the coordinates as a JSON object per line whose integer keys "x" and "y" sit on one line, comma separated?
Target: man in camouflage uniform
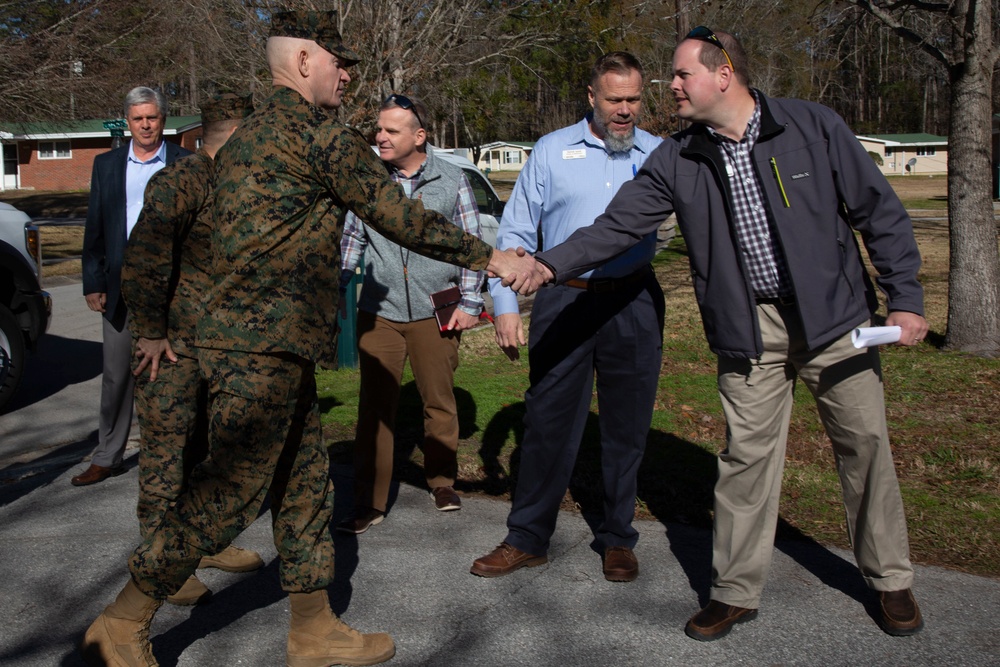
{"x": 286, "y": 180}
{"x": 164, "y": 275}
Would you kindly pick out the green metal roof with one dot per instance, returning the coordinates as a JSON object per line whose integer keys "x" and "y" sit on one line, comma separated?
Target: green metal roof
{"x": 520, "y": 144}
{"x": 916, "y": 138}
{"x": 86, "y": 128}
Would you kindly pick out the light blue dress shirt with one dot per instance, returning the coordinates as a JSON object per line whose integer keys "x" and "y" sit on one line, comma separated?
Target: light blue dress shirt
{"x": 137, "y": 174}
{"x": 568, "y": 180}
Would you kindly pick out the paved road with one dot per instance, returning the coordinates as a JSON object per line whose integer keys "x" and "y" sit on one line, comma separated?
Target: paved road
{"x": 52, "y": 420}
{"x": 63, "y": 552}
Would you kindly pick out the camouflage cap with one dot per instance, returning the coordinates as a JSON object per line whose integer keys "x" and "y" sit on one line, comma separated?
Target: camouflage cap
{"x": 320, "y": 27}
{"x": 227, "y": 106}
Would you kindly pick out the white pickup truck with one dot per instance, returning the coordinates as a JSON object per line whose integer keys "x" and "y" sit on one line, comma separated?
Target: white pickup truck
{"x": 25, "y": 308}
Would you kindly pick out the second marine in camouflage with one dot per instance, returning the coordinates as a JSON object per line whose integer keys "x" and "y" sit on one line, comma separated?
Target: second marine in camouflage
{"x": 164, "y": 274}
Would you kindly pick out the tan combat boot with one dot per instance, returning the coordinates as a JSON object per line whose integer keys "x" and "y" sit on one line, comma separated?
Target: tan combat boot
{"x": 233, "y": 559}
{"x": 192, "y": 592}
{"x": 120, "y": 636}
{"x": 317, "y": 638}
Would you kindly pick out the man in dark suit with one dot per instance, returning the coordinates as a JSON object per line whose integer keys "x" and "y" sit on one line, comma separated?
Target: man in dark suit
{"x": 117, "y": 184}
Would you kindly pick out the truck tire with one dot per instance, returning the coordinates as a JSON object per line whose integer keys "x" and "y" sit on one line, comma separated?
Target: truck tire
{"x": 11, "y": 355}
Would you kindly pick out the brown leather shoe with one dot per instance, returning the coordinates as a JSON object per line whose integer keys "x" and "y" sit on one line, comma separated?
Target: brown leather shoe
{"x": 445, "y": 499}
{"x": 716, "y": 620}
{"x": 504, "y": 560}
{"x": 95, "y": 474}
{"x": 900, "y": 615}
{"x": 361, "y": 521}
{"x": 620, "y": 564}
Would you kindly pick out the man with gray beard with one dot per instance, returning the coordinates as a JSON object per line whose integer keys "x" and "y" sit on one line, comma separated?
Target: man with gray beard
{"x": 608, "y": 323}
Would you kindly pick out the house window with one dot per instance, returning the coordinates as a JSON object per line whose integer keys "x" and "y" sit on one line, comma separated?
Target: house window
{"x": 888, "y": 152}
{"x": 512, "y": 157}
{"x": 927, "y": 151}
{"x": 54, "y": 150}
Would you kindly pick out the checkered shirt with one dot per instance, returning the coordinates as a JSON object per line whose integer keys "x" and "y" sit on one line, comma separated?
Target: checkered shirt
{"x": 761, "y": 251}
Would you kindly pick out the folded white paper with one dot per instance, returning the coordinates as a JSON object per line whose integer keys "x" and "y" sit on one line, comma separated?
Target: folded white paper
{"x": 867, "y": 336}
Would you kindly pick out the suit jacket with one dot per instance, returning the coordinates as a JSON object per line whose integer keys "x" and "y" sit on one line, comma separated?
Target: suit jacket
{"x": 104, "y": 236}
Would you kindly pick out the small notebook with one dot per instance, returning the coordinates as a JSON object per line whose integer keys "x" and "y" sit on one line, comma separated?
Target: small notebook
{"x": 445, "y": 303}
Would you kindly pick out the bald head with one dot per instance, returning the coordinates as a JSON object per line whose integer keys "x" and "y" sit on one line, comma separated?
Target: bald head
{"x": 306, "y": 67}
{"x": 283, "y": 55}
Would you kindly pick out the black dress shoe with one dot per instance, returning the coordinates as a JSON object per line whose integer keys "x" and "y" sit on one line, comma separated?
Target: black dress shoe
{"x": 900, "y": 615}
{"x": 95, "y": 474}
{"x": 716, "y": 620}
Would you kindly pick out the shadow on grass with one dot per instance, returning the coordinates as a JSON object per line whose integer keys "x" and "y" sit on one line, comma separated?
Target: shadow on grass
{"x": 50, "y": 204}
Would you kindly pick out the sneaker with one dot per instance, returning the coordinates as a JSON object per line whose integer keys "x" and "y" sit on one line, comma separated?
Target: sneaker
{"x": 361, "y": 521}
{"x": 445, "y": 499}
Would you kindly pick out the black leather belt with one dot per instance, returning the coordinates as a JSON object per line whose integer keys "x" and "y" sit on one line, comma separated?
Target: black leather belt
{"x": 607, "y": 285}
{"x": 777, "y": 300}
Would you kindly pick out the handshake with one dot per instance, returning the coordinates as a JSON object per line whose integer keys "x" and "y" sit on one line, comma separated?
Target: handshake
{"x": 518, "y": 270}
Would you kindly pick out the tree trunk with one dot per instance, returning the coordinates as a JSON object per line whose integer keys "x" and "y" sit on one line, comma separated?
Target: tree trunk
{"x": 683, "y": 28}
{"x": 974, "y": 276}
{"x": 192, "y": 80}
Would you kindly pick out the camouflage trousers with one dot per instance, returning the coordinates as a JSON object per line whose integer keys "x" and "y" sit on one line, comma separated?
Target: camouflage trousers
{"x": 264, "y": 436}
{"x": 174, "y": 435}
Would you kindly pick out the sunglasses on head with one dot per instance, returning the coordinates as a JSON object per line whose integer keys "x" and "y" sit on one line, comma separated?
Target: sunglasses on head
{"x": 405, "y": 103}
{"x": 706, "y": 35}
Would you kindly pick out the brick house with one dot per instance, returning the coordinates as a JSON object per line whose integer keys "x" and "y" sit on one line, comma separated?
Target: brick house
{"x": 60, "y": 156}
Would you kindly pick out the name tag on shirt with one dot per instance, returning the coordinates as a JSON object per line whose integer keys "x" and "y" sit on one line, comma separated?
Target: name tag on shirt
{"x": 575, "y": 154}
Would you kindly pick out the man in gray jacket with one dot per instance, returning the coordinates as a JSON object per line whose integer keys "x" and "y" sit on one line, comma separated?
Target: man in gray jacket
{"x": 768, "y": 194}
{"x": 396, "y": 320}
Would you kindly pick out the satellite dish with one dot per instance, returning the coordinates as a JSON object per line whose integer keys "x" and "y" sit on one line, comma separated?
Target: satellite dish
{"x": 911, "y": 163}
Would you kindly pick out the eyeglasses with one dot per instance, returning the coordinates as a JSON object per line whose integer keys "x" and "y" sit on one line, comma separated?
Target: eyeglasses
{"x": 706, "y": 35}
{"x": 405, "y": 103}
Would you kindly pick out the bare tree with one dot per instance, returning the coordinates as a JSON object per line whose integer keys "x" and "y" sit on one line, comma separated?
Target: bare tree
{"x": 963, "y": 36}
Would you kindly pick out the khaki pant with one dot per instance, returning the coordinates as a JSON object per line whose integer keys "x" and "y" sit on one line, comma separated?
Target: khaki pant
{"x": 264, "y": 438}
{"x": 384, "y": 347}
{"x": 757, "y": 401}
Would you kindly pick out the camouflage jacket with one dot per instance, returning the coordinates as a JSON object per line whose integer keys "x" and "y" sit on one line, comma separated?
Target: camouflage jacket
{"x": 286, "y": 180}
{"x": 165, "y": 271}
